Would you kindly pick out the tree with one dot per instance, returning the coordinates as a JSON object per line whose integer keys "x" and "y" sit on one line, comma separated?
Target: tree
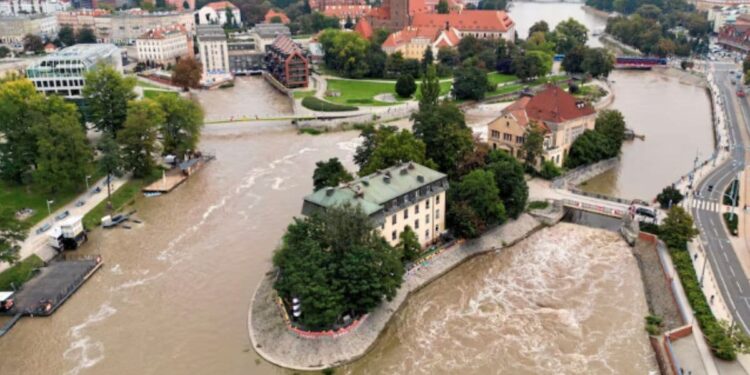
{"x": 372, "y": 137}
{"x": 470, "y": 83}
{"x": 107, "y": 93}
{"x": 443, "y": 130}
{"x": 598, "y": 62}
{"x": 429, "y": 90}
{"x": 330, "y": 173}
{"x": 669, "y": 197}
{"x": 448, "y": 56}
{"x": 181, "y": 128}
{"x": 549, "y": 170}
{"x": 67, "y": 35}
{"x": 442, "y": 7}
{"x": 539, "y": 26}
{"x": 532, "y": 145}
{"x": 568, "y": 34}
{"x": 345, "y": 52}
{"x": 590, "y": 147}
{"x": 110, "y": 163}
{"x": 427, "y": 58}
{"x": 4, "y": 52}
{"x": 32, "y": 43}
{"x": 86, "y": 35}
{"x": 409, "y": 245}
{"x": 395, "y": 148}
{"x": 532, "y": 64}
{"x": 650, "y": 11}
{"x": 481, "y": 194}
{"x": 376, "y": 60}
{"x": 573, "y": 60}
{"x": 336, "y": 264}
{"x": 12, "y": 234}
{"x": 187, "y": 73}
{"x": 63, "y": 155}
{"x": 20, "y": 110}
{"x": 510, "y": 181}
{"x": 611, "y": 123}
{"x": 138, "y": 136}
{"x": 405, "y": 86}
{"x": 677, "y": 229}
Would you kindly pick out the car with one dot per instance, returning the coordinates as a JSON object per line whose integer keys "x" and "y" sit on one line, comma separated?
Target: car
{"x": 62, "y": 215}
{"x": 710, "y": 188}
{"x": 43, "y": 228}
{"x": 645, "y": 211}
{"x": 80, "y": 203}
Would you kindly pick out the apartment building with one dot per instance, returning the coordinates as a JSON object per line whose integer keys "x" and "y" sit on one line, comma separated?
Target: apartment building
{"x": 163, "y": 46}
{"x": 124, "y": 27}
{"x": 219, "y": 13}
{"x": 245, "y": 53}
{"x": 20, "y": 7}
{"x": 413, "y": 41}
{"x": 404, "y": 195}
{"x": 559, "y": 115}
{"x": 287, "y": 63}
{"x": 63, "y": 72}
{"x": 214, "y": 53}
{"x": 14, "y": 28}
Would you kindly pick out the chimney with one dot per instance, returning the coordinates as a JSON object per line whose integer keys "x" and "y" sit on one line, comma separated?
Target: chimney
{"x": 404, "y": 171}
{"x": 411, "y": 165}
{"x": 420, "y": 178}
{"x": 330, "y": 191}
{"x": 387, "y": 178}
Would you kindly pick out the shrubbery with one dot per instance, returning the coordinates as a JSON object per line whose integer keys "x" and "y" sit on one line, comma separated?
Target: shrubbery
{"x": 316, "y": 104}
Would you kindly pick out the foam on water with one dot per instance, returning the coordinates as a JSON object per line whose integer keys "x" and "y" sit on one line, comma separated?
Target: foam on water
{"x": 84, "y": 351}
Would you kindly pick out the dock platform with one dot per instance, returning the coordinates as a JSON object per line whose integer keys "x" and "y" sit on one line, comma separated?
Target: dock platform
{"x": 48, "y": 290}
{"x": 166, "y": 183}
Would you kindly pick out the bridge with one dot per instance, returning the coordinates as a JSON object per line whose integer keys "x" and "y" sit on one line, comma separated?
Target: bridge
{"x": 635, "y": 62}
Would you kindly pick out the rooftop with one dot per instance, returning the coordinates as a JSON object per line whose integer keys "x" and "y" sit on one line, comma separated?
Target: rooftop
{"x": 90, "y": 52}
{"x": 274, "y": 13}
{"x": 210, "y": 33}
{"x": 555, "y": 105}
{"x": 488, "y": 20}
{"x": 285, "y": 45}
{"x": 163, "y": 32}
{"x": 221, "y": 5}
{"x": 373, "y": 191}
{"x": 271, "y": 30}
{"x": 363, "y": 28}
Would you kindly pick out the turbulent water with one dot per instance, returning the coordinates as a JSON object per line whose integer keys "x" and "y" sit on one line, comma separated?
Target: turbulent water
{"x": 567, "y": 300}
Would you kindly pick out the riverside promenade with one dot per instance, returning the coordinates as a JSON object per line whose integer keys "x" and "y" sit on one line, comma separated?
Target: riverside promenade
{"x": 274, "y": 341}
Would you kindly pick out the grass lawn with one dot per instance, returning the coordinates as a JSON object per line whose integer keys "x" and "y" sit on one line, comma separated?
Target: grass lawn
{"x": 122, "y": 197}
{"x": 152, "y": 94}
{"x": 303, "y": 94}
{"x": 496, "y": 78}
{"x": 18, "y": 197}
{"x": 19, "y": 273}
{"x": 357, "y": 92}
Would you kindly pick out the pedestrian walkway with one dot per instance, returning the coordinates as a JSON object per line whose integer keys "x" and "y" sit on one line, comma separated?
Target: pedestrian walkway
{"x": 36, "y": 243}
{"x": 705, "y": 205}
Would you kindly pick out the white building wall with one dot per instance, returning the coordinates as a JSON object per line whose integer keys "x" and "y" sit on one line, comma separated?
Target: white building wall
{"x": 426, "y": 218}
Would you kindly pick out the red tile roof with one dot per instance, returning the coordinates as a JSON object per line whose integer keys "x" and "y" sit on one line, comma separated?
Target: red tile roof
{"x": 467, "y": 20}
{"x": 273, "y": 13}
{"x": 162, "y": 32}
{"x": 343, "y": 11}
{"x": 555, "y": 105}
{"x": 221, "y": 5}
{"x": 383, "y": 13}
{"x": 450, "y": 39}
{"x": 286, "y": 45}
{"x": 408, "y": 33}
{"x": 363, "y": 28}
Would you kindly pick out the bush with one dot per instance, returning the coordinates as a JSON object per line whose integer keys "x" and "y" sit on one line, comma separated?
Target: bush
{"x": 538, "y": 205}
{"x": 668, "y": 196}
{"x": 405, "y": 86}
{"x": 648, "y": 228}
{"x": 653, "y": 325}
{"x": 549, "y": 170}
{"x": 317, "y": 104}
{"x": 19, "y": 273}
{"x": 716, "y": 337}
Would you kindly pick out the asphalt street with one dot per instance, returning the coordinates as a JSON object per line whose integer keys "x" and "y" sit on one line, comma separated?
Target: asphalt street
{"x": 723, "y": 260}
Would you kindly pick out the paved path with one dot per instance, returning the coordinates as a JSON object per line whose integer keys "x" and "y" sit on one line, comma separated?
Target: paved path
{"x": 37, "y": 243}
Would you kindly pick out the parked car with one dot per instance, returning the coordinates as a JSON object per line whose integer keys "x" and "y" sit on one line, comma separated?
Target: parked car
{"x": 62, "y": 215}
{"x": 43, "y": 228}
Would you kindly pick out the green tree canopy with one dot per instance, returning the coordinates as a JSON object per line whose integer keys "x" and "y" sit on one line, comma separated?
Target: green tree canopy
{"x": 469, "y": 83}
{"x": 33, "y": 43}
{"x": 598, "y": 62}
{"x": 110, "y": 162}
{"x": 573, "y": 60}
{"x": 20, "y": 111}
{"x": 107, "y": 94}
{"x": 63, "y": 155}
{"x": 345, "y": 52}
{"x": 669, "y": 197}
{"x": 187, "y": 73}
{"x": 533, "y": 144}
{"x": 12, "y": 234}
{"x": 444, "y": 132}
{"x": 568, "y": 34}
{"x": 66, "y": 35}
{"x": 409, "y": 245}
{"x": 677, "y": 229}
{"x": 86, "y": 35}
{"x": 510, "y": 181}
{"x": 611, "y": 123}
{"x": 405, "y": 86}
{"x": 138, "y": 136}
{"x": 393, "y": 148}
{"x": 442, "y": 7}
{"x": 429, "y": 90}
{"x": 532, "y": 64}
{"x": 336, "y": 264}
{"x": 330, "y": 173}
{"x": 183, "y": 121}
{"x": 475, "y": 204}
{"x": 539, "y": 26}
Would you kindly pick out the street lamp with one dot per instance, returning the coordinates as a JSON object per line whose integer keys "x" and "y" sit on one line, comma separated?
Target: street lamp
{"x": 87, "y": 182}
{"x": 49, "y": 202}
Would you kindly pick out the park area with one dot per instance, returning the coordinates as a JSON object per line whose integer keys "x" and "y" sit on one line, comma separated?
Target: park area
{"x": 363, "y": 92}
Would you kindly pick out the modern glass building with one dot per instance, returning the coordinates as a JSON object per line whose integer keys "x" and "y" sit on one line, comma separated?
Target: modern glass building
{"x": 62, "y": 72}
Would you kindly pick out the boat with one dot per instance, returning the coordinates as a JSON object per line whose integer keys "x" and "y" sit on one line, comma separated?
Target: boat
{"x": 113, "y": 221}
{"x": 151, "y": 194}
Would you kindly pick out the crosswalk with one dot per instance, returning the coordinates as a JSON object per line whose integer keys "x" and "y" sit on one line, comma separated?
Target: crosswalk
{"x": 705, "y": 205}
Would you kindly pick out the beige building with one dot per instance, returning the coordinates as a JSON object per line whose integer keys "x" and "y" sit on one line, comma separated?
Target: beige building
{"x": 214, "y": 54}
{"x": 408, "y": 194}
{"x": 124, "y": 27}
{"x": 560, "y": 116}
{"x": 163, "y": 45}
{"x": 413, "y": 41}
{"x": 14, "y": 28}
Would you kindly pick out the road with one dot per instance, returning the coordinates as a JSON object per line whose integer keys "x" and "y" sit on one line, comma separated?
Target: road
{"x": 724, "y": 262}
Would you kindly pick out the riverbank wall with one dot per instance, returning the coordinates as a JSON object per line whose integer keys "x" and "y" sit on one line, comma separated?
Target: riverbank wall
{"x": 275, "y": 342}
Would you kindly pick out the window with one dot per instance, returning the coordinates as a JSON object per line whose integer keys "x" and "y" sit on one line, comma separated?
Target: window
{"x": 437, "y": 228}
{"x": 393, "y": 235}
{"x": 427, "y": 234}
{"x": 519, "y": 140}
{"x": 393, "y": 219}
{"x": 427, "y": 219}
{"x": 416, "y": 209}
{"x": 416, "y": 224}
{"x": 507, "y": 137}
{"x": 437, "y": 199}
{"x": 406, "y": 214}
{"x": 437, "y": 214}
{"x": 495, "y": 134}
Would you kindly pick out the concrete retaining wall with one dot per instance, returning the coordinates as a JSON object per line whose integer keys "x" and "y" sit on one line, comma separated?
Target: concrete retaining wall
{"x": 584, "y": 173}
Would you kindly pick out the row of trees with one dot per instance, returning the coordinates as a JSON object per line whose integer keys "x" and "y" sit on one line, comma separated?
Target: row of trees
{"x": 65, "y": 37}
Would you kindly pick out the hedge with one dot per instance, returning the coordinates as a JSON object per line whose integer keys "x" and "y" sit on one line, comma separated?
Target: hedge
{"x": 20, "y": 272}
{"x": 716, "y": 337}
{"x": 316, "y": 104}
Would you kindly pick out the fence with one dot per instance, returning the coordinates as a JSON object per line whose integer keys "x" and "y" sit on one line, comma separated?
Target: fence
{"x": 584, "y": 172}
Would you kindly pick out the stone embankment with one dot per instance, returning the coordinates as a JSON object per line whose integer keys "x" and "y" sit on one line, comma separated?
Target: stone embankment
{"x": 273, "y": 340}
